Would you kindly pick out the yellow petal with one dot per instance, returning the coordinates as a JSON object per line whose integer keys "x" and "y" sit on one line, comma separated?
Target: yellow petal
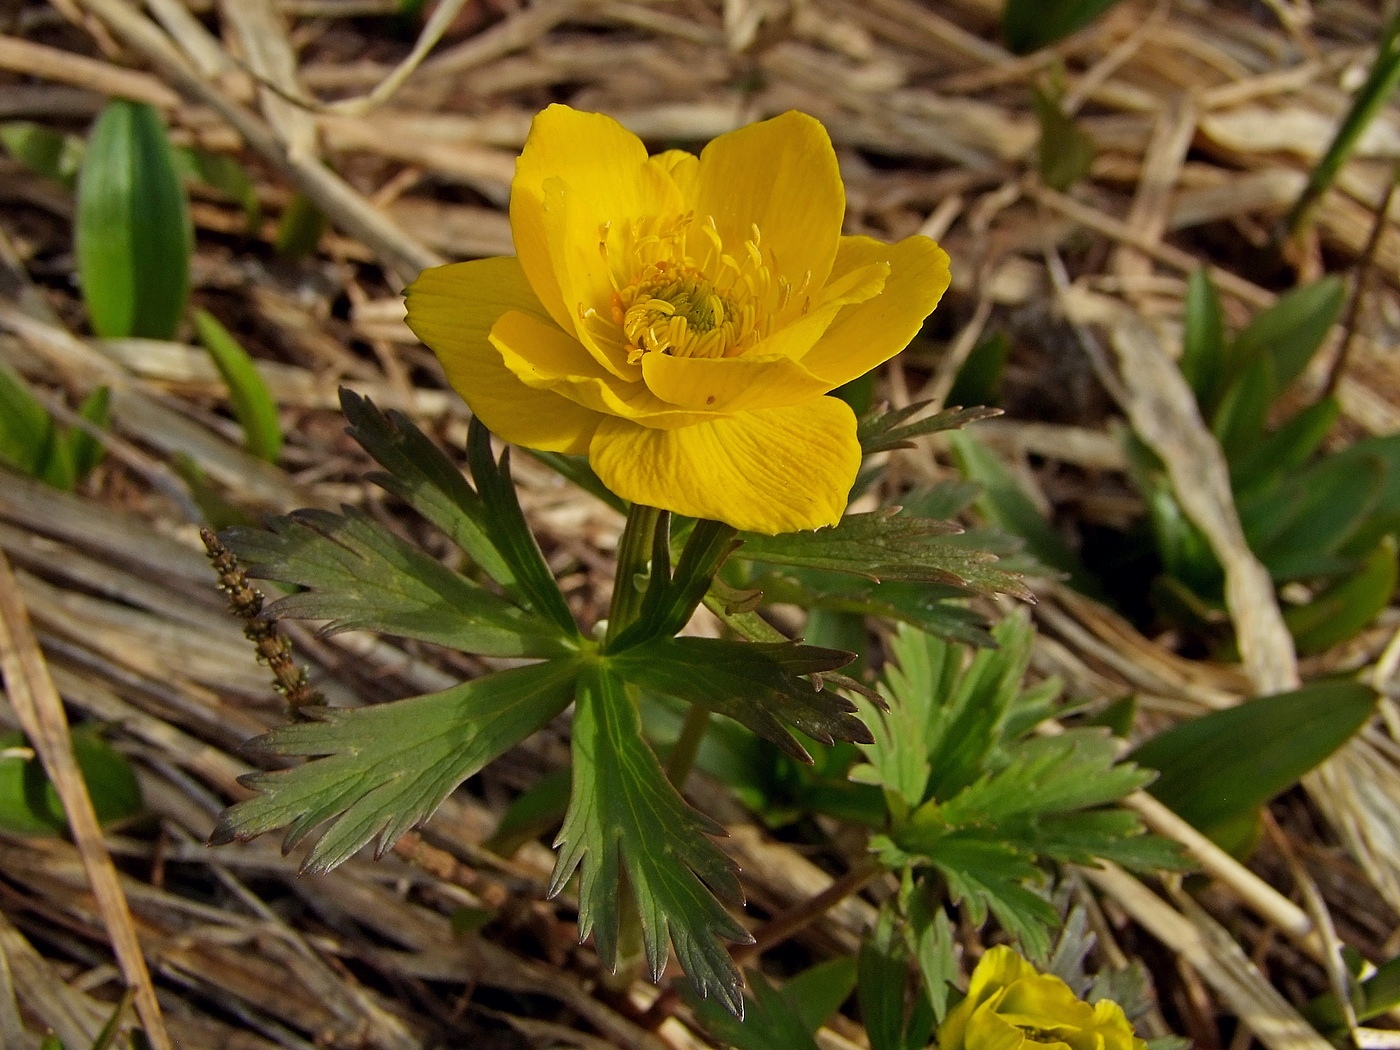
{"x": 545, "y": 358}
{"x": 730, "y": 383}
{"x": 452, "y": 309}
{"x": 869, "y": 333}
{"x": 997, "y": 970}
{"x": 987, "y": 1031}
{"x": 605, "y": 177}
{"x": 771, "y": 471}
{"x": 780, "y": 175}
{"x": 798, "y": 336}
{"x": 684, "y": 169}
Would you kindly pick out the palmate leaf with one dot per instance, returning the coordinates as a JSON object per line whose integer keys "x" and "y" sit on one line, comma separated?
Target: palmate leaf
{"x": 385, "y": 768}
{"x": 625, "y": 818}
{"x": 757, "y": 684}
{"x": 362, "y": 576}
{"x": 885, "y": 545}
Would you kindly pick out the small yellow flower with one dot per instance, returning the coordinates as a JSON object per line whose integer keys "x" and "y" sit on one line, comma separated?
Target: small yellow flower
{"x": 1009, "y": 1006}
{"x": 680, "y": 319}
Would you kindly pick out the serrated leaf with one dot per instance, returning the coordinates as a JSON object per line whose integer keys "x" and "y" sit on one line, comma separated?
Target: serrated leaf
{"x": 772, "y": 1018}
{"x": 423, "y": 477}
{"x": 884, "y": 545}
{"x": 249, "y": 397}
{"x": 671, "y": 598}
{"x": 1032, "y": 24}
{"x": 377, "y": 771}
{"x": 1203, "y": 340}
{"x": 1006, "y": 506}
{"x": 882, "y": 431}
{"x": 625, "y": 817}
{"x": 363, "y": 577}
{"x": 133, "y": 231}
{"x": 1228, "y": 763}
{"x": 757, "y": 684}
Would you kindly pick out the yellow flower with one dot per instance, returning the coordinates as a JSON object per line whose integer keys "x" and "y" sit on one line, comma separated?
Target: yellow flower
{"x": 1011, "y": 1007}
{"x": 680, "y": 319}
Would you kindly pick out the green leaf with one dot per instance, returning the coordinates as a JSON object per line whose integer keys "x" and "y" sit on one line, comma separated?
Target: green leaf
{"x": 1244, "y": 410}
{"x": 1203, "y": 341}
{"x": 772, "y": 1018}
{"x": 1287, "y": 449}
{"x": 134, "y": 237}
{"x": 423, "y": 477}
{"x": 1376, "y": 995}
{"x": 934, "y": 946}
{"x": 1005, "y": 505}
{"x": 300, "y": 228}
{"x": 979, "y": 379}
{"x": 1346, "y": 607}
{"x": 532, "y": 814}
{"x": 1032, "y": 24}
{"x": 671, "y": 598}
{"x": 363, "y": 577}
{"x": 1066, "y": 150}
{"x": 883, "y": 431}
{"x": 1185, "y": 552}
{"x": 626, "y": 818}
{"x": 1298, "y": 528}
{"x": 30, "y": 440}
{"x": 577, "y": 470}
{"x": 378, "y": 771}
{"x": 223, "y": 173}
{"x": 42, "y": 150}
{"x": 1288, "y": 333}
{"x": 252, "y": 404}
{"x": 86, "y": 451}
{"x": 885, "y": 545}
{"x": 895, "y": 1010}
{"x": 506, "y": 528}
{"x": 29, "y": 803}
{"x": 1228, "y": 763}
{"x": 757, "y": 684}
{"x": 819, "y": 990}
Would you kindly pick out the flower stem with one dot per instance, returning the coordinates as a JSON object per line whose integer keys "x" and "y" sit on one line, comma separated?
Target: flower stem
{"x": 633, "y": 557}
{"x": 687, "y": 745}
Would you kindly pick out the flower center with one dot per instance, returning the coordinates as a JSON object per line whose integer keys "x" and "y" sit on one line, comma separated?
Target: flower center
{"x": 677, "y": 291}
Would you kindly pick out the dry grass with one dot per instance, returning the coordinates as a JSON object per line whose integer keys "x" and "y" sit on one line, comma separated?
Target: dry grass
{"x": 1206, "y": 117}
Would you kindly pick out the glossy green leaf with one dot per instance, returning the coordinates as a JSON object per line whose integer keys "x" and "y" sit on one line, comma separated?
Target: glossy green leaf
{"x": 759, "y": 685}
{"x": 360, "y": 576}
{"x": 1288, "y": 333}
{"x": 1032, "y": 24}
{"x": 29, "y": 803}
{"x": 1228, "y": 763}
{"x": 1346, "y": 607}
{"x": 252, "y": 403}
{"x": 1066, "y": 151}
{"x": 377, "y": 771}
{"x": 1203, "y": 341}
{"x": 133, "y": 233}
{"x": 1006, "y": 506}
{"x": 42, "y": 150}
{"x": 625, "y": 816}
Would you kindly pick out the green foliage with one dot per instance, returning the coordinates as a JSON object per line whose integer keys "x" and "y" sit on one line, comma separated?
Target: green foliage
{"x": 33, "y": 442}
{"x": 625, "y": 819}
{"x": 786, "y": 1017}
{"x": 1066, "y": 151}
{"x": 253, "y": 406}
{"x": 133, "y": 231}
{"x": 882, "y": 431}
{"x": 222, "y": 173}
{"x": 895, "y": 1008}
{"x": 29, "y": 803}
{"x": 300, "y": 228}
{"x": 381, "y": 770}
{"x": 1032, "y": 24}
{"x": 1217, "y": 770}
{"x": 979, "y": 378}
{"x": 42, "y": 150}
{"x": 976, "y": 797}
{"x": 1376, "y": 995}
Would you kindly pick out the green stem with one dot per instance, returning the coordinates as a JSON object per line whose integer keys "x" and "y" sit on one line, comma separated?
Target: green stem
{"x": 687, "y": 746}
{"x": 633, "y": 557}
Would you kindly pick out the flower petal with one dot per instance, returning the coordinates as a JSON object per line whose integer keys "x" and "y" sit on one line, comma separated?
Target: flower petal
{"x": 770, "y": 471}
{"x": 452, "y": 309}
{"x": 545, "y": 358}
{"x": 802, "y": 331}
{"x": 782, "y": 176}
{"x": 684, "y": 169}
{"x": 730, "y": 383}
{"x": 868, "y": 334}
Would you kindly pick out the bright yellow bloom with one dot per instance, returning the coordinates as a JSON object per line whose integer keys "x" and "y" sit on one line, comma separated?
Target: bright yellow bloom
{"x": 1009, "y": 1006}
{"x": 680, "y": 318}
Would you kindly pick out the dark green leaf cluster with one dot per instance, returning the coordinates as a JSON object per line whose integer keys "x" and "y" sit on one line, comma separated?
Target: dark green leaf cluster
{"x": 979, "y": 798}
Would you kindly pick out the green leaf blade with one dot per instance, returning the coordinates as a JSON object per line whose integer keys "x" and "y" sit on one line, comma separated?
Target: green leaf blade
{"x": 252, "y": 402}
